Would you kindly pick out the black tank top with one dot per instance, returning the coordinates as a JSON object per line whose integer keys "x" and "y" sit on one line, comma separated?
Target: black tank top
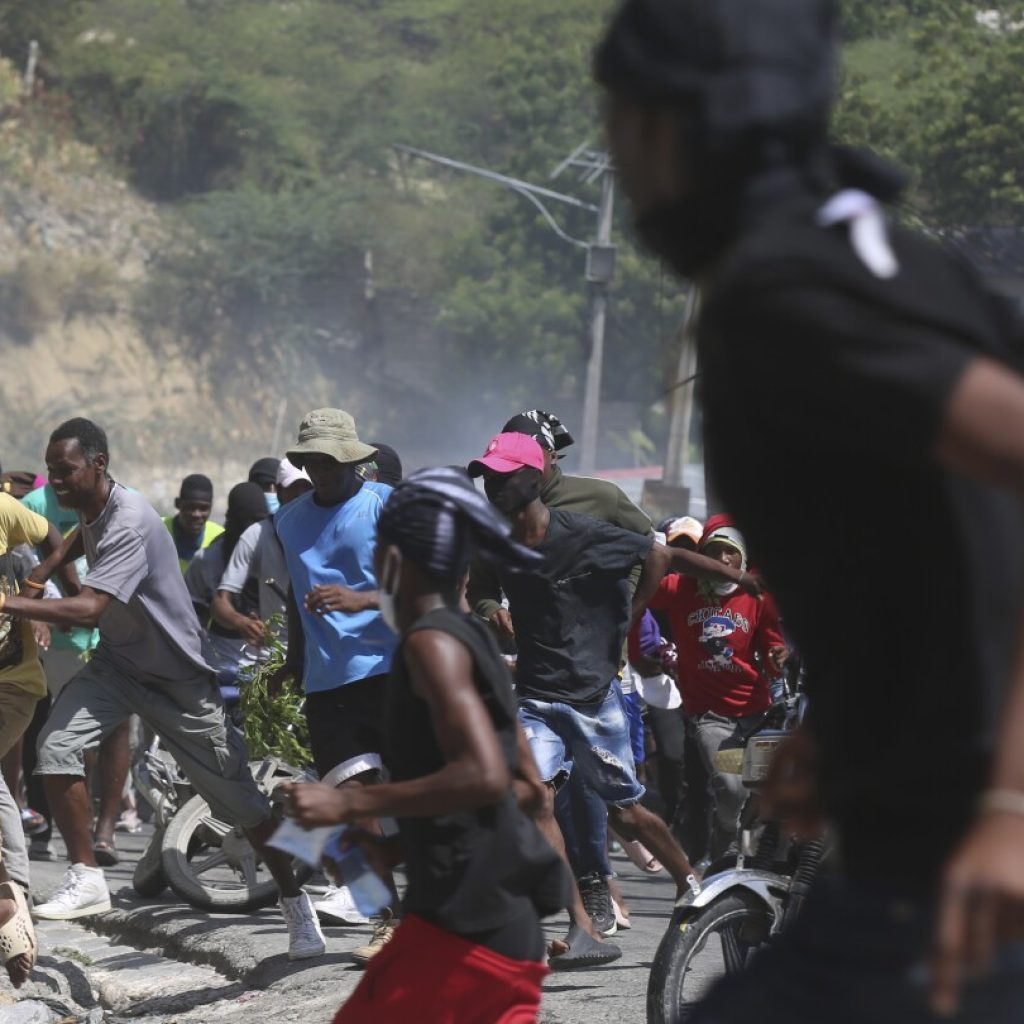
{"x": 478, "y": 871}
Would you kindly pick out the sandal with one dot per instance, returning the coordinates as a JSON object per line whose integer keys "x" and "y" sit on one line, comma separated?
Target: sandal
{"x": 17, "y": 937}
{"x": 32, "y": 822}
{"x": 642, "y": 857}
{"x": 105, "y": 853}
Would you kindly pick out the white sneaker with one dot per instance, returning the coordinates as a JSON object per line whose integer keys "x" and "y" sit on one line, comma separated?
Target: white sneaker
{"x": 338, "y": 905}
{"x": 82, "y": 893}
{"x": 305, "y": 939}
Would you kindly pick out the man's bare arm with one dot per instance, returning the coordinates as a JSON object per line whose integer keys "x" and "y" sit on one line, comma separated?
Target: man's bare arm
{"x": 654, "y": 567}
{"x": 660, "y": 559}
{"x": 84, "y": 609}
{"x": 982, "y": 436}
{"x": 700, "y": 567}
{"x": 63, "y": 552}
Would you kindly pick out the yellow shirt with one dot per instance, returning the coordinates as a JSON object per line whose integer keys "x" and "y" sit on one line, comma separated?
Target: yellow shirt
{"x": 19, "y": 526}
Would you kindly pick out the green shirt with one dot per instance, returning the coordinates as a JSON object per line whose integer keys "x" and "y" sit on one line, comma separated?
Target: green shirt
{"x": 600, "y": 499}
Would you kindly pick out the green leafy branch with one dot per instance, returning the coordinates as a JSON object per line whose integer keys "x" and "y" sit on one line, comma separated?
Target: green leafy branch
{"x": 274, "y": 728}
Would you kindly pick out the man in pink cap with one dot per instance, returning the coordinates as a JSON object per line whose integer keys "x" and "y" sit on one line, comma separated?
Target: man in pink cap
{"x": 570, "y": 617}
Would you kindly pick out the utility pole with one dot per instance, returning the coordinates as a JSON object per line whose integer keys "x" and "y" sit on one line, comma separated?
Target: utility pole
{"x": 600, "y": 266}
{"x": 600, "y": 270}
{"x": 28, "y": 81}
{"x": 681, "y": 404}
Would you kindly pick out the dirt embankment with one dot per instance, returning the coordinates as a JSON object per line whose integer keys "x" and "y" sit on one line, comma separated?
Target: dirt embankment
{"x": 76, "y": 249}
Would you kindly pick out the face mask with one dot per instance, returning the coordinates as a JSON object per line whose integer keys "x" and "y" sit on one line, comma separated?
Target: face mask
{"x": 509, "y": 494}
{"x": 387, "y": 591}
{"x": 273, "y": 502}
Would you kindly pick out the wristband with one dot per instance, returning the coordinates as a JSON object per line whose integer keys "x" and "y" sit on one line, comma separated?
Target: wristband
{"x": 1002, "y": 801}
{"x": 32, "y": 583}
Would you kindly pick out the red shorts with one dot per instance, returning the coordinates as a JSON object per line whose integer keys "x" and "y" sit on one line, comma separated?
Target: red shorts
{"x": 427, "y": 974}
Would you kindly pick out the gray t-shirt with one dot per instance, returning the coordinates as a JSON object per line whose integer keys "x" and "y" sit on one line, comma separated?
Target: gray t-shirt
{"x": 150, "y": 624}
{"x": 258, "y": 555}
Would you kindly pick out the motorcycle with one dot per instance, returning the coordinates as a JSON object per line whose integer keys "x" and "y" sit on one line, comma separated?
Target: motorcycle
{"x": 725, "y": 919}
{"x": 204, "y": 860}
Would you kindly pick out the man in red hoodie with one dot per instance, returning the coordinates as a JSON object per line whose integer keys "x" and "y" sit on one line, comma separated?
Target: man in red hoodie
{"x": 727, "y": 642}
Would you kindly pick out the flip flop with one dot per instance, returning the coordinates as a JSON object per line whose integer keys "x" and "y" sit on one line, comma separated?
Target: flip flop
{"x": 105, "y": 853}
{"x": 584, "y": 952}
{"x": 17, "y": 937}
{"x": 620, "y": 918}
{"x": 32, "y": 822}
{"x": 642, "y": 857}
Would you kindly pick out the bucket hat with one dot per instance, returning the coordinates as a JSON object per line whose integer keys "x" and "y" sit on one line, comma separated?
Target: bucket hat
{"x": 329, "y": 432}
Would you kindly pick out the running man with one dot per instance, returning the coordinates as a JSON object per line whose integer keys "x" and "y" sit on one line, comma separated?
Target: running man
{"x": 843, "y": 357}
{"x": 481, "y": 876}
{"x": 570, "y": 615}
{"x": 338, "y": 644}
{"x": 149, "y": 662}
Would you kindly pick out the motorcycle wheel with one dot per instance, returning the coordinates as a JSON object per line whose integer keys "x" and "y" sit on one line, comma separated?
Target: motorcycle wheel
{"x": 148, "y": 879}
{"x": 213, "y": 866}
{"x": 700, "y": 947}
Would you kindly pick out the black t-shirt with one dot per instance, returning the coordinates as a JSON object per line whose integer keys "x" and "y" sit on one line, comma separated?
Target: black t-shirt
{"x": 486, "y": 874}
{"x": 571, "y": 614}
{"x": 824, "y": 389}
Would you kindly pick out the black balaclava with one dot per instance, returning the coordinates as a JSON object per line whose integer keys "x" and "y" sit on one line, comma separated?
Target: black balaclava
{"x": 246, "y": 505}
{"x": 439, "y": 520}
{"x": 753, "y": 85}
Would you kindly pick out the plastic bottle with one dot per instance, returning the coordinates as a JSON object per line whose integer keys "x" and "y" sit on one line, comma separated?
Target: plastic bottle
{"x": 369, "y": 892}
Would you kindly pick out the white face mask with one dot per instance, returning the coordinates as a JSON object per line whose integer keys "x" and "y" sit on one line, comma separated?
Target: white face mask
{"x": 725, "y": 589}
{"x": 387, "y": 591}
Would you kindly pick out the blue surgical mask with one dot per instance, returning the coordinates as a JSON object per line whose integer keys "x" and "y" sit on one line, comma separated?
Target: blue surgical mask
{"x": 273, "y": 502}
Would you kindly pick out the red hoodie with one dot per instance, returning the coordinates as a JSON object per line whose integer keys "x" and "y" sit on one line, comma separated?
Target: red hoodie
{"x": 716, "y": 644}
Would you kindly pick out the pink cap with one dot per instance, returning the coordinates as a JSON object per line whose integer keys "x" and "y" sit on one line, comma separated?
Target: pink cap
{"x": 508, "y": 452}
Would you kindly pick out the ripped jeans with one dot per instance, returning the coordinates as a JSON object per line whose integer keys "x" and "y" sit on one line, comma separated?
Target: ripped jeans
{"x": 591, "y": 739}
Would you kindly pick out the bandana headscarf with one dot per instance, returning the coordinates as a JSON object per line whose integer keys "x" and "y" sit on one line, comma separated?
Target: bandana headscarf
{"x": 721, "y": 528}
{"x": 439, "y": 520}
{"x": 546, "y": 428}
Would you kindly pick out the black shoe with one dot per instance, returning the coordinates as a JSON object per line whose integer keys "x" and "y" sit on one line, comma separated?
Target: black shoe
{"x": 598, "y": 901}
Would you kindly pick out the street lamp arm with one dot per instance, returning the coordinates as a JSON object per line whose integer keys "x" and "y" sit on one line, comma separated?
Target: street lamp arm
{"x": 549, "y": 217}
{"x": 524, "y": 188}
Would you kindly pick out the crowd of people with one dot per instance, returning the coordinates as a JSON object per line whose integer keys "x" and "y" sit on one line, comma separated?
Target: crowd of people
{"x": 401, "y": 601}
{"x": 483, "y": 664}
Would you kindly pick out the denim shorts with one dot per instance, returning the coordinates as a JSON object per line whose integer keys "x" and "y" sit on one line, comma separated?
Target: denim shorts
{"x": 589, "y": 738}
{"x": 634, "y": 706}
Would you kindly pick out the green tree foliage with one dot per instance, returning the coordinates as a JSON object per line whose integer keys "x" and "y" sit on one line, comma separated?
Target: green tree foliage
{"x": 21, "y": 21}
{"x": 268, "y": 126}
{"x": 939, "y": 90}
